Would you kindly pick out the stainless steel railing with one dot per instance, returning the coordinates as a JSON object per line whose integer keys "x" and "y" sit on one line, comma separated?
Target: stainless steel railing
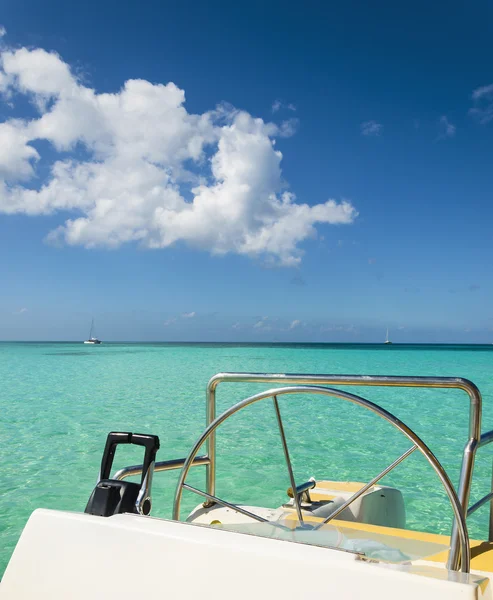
{"x": 418, "y": 444}
{"x": 465, "y": 385}
{"x": 485, "y": 439}
{"x": 164, "y": 465}
{"x": 474, "y": 440}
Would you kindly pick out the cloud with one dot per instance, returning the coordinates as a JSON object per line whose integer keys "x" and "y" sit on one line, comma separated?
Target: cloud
{"x": 372, "y": 261}
{"x": 189, "y": 315}
{"x": 16, "y": 156}
{"x": 261, "y": 323}
{"x": 20, "y": 311}
{"x": 288, "y": 128}
{"x": 236, "y": 326}
{"x": 294, "y": 324}
{"x": 447, "y": 129}
{"x": 169, "y": 322}
{"x": 371, "y": 128}
{"x": 3, "y": 31}
{"x": 474, "y": 287}
{"x": 278, "y": 105}
{"x": 482, "y": 98}
{"x": 135, "y": 166}
{"x": 262, "y": 326}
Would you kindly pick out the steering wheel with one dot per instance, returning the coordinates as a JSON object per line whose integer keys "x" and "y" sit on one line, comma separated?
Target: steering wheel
{"x": 417, "y": 442}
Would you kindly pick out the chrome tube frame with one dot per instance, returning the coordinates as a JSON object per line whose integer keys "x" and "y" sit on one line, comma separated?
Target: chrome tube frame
{"x": 164, "y": 465}
{"x": 463, "y": 536}
{"x": 459, "y": 383}
{"x": 485, "y": 439}
{"x": 490, "y": 528}
{"x": 479, "y": 504}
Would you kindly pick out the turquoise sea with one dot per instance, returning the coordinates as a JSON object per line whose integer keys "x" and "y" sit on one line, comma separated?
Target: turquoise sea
{"x": 59, "y": 400}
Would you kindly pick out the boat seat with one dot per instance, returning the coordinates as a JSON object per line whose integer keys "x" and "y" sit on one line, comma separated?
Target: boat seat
{"x": 382, "y": 505}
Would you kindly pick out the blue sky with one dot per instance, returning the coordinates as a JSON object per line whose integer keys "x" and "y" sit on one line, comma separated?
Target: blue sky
{"x": 384, "y": 106}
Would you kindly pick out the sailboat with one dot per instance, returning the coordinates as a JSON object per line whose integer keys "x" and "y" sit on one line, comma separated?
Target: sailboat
{"x": 387, "y": 341}
{"x": 92, "y": 339}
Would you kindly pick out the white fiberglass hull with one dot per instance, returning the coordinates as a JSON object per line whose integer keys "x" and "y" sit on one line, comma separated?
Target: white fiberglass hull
{"x": 71, "y": 555}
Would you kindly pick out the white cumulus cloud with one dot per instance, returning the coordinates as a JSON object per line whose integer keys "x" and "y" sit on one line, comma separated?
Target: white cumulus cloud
{"x": 447, "y": 129}
{"x": 136, "y": 166}
{"x": 371, "y": 128}
{"x": 482, "y": 98}
{"x": 278, "y": 104}
{"x": 189, "y": 315}
{"x": 294, "y": 324}
{"x": 262, "y": 323}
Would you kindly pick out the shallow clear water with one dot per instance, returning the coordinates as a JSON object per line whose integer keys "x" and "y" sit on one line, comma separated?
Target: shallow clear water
{"x": 58, "y": 401}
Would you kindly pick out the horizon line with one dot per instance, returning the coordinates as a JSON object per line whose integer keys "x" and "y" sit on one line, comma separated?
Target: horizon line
{"x": 258, "y": 343}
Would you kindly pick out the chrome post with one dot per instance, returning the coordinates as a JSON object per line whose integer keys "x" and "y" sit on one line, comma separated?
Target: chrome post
{"x": 465, "y": 480}
{"x": 210, "y": 472}
{"x": 490, "y": 536}
{"x": 143, "y": 504}
{"x": 296, "y": 498}
{"x": 366, "y": 487}
{"x": 463, "y": 494}
{"x": 485, "y": 439}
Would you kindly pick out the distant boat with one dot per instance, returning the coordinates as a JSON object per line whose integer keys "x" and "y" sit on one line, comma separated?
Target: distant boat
{"x": 92, "y": 338}
{"x": 387, "y": 341}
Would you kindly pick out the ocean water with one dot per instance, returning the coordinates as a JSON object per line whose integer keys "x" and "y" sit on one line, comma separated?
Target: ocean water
{"x": 59, "y": 400}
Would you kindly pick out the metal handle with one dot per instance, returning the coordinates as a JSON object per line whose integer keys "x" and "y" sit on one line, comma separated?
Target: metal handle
{"x": 151, "y": 445}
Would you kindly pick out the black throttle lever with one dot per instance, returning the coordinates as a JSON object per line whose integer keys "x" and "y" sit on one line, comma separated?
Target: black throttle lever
{"x": 112, "y": 496}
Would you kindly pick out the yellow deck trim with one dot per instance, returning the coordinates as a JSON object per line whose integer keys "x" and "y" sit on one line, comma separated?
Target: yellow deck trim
{"x": 481, "y": 551}
{"x": 319, "y": 493}
{"x": 316, "y": 497}
{"x": 338, "y": 486}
